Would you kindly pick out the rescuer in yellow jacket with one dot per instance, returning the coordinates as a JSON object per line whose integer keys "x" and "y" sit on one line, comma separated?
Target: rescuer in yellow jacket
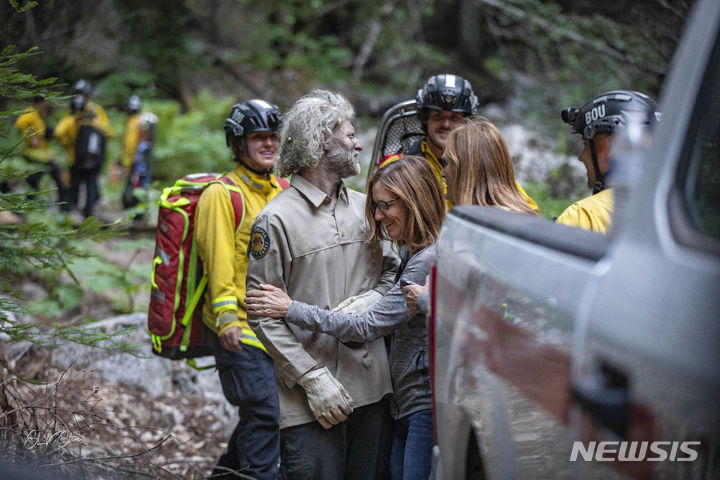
{"x": 82, "y": 111}
{"x": 66, "y": 133}
{"x": 130, "y": 141}
{"x": 84, "y": 89}
{"x": 135, "y": 128}
{"x": 246, "y": 371}
{"x": 35, "y": 134}
{"x": 591, "y": 213}
{"x": 598, "y": 121}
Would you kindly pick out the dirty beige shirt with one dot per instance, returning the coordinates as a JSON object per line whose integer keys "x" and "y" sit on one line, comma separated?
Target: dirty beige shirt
{"x": 319, "y": 255}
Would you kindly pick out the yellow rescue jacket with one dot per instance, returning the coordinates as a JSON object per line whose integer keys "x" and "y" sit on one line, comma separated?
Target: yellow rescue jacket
{"x": 130, "y": 140}
{"x": 591, "y": 213}
{"x": 224, "y": 252}
{"x": 31, "y": 127}
{"x": 67, "y": 129}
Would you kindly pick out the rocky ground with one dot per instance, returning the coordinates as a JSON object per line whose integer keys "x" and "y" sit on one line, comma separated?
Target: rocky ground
{"x": 103, "y": 413}
{"x": 109, "y": 414}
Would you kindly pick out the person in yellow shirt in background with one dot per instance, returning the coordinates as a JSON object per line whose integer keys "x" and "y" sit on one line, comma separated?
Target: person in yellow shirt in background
{"x": 131, "y": 139}
{"x": 84, "y": 89}
{"x": 32, "y": 127}
{"x": 85, "y": 127}
{"x": 598, "y": 121}
{"x": 139, "y": 173}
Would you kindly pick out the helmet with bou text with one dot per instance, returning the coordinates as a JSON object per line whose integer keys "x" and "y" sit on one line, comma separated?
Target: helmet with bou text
{"x": 446, "y": 92}
{"x": 134, "y": 104}
{"x": 608, "y": 112}
{"x": 252, "y": 116}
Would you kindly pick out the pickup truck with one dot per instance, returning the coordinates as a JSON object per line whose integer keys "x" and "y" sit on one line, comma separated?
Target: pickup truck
{"x": 557, "y": 352}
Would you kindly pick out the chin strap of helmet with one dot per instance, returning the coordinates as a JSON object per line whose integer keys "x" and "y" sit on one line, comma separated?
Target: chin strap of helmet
{"x": 599, "y": 185}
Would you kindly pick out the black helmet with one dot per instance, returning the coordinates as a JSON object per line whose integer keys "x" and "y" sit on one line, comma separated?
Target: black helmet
{"x": 83, "y": 87}
{"x": 447, "y": 92}
{"x": 607, "y": 112}
{"x": 133, "y": 104}
{"x": 252, "y": 116}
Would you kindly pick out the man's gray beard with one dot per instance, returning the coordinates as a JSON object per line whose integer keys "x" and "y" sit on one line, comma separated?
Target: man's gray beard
{"x": 343, "y": 161}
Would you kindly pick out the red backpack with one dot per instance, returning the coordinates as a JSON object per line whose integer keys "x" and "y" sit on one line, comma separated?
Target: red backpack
{"x": 178, "y": 284}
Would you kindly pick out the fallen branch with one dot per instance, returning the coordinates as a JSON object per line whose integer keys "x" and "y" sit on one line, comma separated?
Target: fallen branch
{"x": 110, "y": 457}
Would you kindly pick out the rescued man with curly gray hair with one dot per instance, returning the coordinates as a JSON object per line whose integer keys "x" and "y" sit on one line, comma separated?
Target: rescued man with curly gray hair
{"x": 312, "y": 241}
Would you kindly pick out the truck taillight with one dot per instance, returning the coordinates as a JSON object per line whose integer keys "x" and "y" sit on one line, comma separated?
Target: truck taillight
{"x": 431, "y": 343}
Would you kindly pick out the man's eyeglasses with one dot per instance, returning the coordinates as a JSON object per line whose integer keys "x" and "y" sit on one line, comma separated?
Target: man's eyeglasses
{"x": 382, "y": 205}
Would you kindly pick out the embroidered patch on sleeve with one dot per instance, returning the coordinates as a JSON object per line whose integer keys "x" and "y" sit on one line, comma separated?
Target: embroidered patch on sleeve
{"x": 259, "y": 242}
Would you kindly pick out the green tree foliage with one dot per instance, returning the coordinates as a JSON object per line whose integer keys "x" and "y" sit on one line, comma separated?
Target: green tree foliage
{"x": 162, "y": 44}
{"x": 277, "y": 50}
{"x": 548, "y": 53}
{"x": 190, "y": 59}
{"x": 564, "y": 52}
{"x": 40, "y": 246}
{"x": 193, "y": 141}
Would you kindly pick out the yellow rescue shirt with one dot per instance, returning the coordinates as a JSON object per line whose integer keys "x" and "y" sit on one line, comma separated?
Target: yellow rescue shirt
{"x": 65, "y": 133}
{"x": 130, "y": 140}
{"x": 31, "y": 127}
{"x": 591, "y": 213}
{"x": 67, "y": 129}
{"x": 99, "y": 118}
{"x": 223, "y": 251}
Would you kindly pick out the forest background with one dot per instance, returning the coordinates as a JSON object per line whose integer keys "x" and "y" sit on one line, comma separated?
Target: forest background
{"x": 190, "y": 60}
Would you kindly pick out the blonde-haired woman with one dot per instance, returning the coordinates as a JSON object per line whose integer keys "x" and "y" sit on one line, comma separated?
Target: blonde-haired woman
{"x": 404, "y": 204}
{"x": 478, "y": 170}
